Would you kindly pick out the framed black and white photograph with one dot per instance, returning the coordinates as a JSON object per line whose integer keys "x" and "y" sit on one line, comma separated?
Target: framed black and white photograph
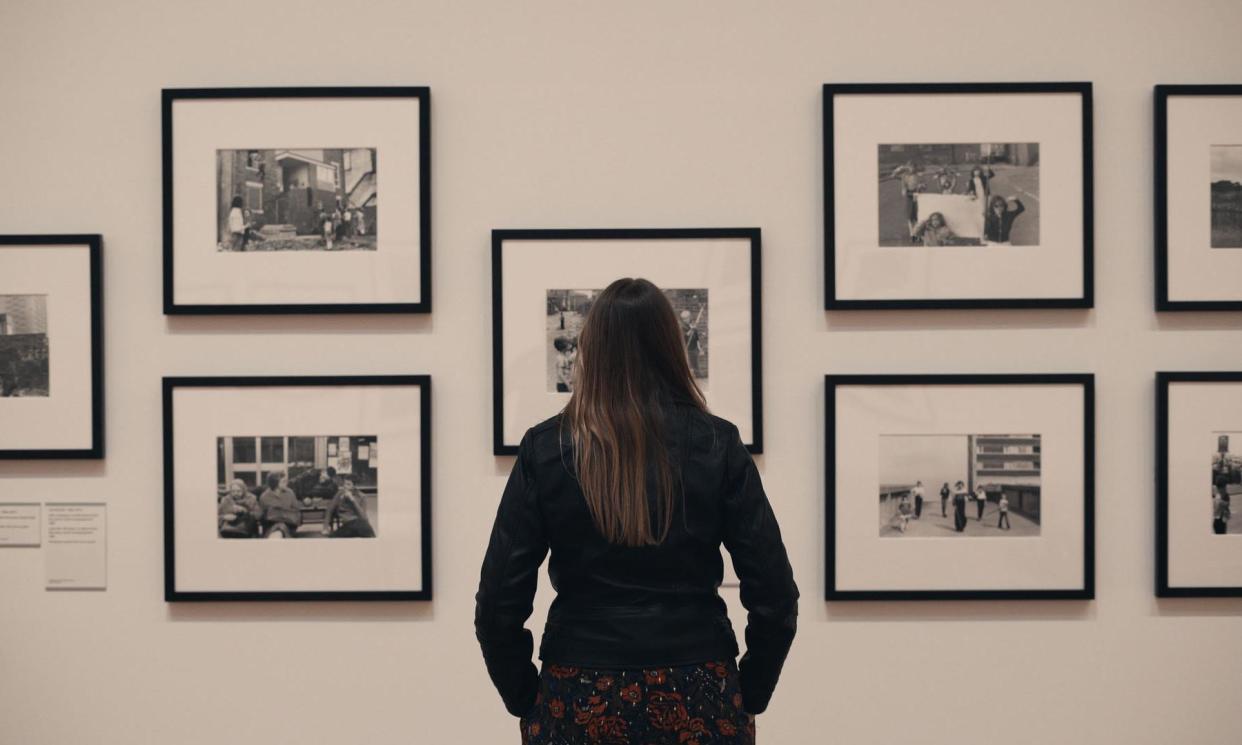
{"x": 1198, "y": 473}
{"x": 274, "y": 488}
{"x": 51, "y": 347}
{"x": 543, "y": 284}
{"x": 943, "y": 487}
{"x": 272, "y": 200}
{"x": 1198, "y": 139}
{"x": 957, "y": 195}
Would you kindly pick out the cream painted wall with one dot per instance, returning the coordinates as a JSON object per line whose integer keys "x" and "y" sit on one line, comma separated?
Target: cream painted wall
{"x": 559, "y": 114}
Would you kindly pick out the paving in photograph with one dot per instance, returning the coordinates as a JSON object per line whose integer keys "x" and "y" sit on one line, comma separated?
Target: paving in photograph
{"x": 941, "y": 486}
{"x": 297, "y": 200}
{"x": 297, "y": 486}
{"x": 566, "y": 312}
{"x": 959, "y": 194}
{"x": 1226, "y": 196}
{"x": 24, "y": 346}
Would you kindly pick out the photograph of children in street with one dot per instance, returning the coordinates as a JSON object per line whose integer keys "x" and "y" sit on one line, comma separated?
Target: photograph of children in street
{"x": 959, "y": 194}
{"x": 296, "y": 200}
{"x": 567, "y": 309}
{"x": 939, "y": 486}
{"x": 1226, "y": 196}
{"x": 23, "y": 346}
{"x": 297, "y": 486}
{"x": 1226, "y": 482}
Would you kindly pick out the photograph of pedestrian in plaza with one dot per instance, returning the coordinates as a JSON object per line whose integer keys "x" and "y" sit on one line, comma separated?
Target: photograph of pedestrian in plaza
{"x": 23, "y": 346}
{"x": 959, "y": 194}
{"x": 1226, "y": 172}
{"x": 296, "y": 200}
{"x": 567, "y": 309}
{"x": 1226, "y": 482}
{"x": 992, "y": 480}
{"x": 297, "y": 486}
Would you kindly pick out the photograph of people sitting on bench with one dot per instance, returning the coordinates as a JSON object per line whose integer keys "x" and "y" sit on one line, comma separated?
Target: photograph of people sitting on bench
{"x": 321, "y": 486}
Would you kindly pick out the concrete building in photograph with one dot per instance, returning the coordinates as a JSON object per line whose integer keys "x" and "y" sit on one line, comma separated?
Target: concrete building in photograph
{"x": 1009, "y": 464}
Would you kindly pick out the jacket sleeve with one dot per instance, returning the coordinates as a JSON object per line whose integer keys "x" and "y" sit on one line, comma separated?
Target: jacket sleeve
{"x": 768, "y": 591}
{"x": 507, "y": 584}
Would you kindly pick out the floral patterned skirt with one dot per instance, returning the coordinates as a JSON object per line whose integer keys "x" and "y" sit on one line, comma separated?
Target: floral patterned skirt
{"x": 690, "y": 705}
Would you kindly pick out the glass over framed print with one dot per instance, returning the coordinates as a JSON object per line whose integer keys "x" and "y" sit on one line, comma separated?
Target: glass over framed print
{"x": 1198, "y": 473}
{"x": 297, "y": 200}
{"x": 957, "y": 195}
{"x": 51, "y": 347}
{"x": 1198, "y": 139}
{"x": 936, "y": 487}
{"x": 275, "y": 489}
{"x": 543, "y": 283}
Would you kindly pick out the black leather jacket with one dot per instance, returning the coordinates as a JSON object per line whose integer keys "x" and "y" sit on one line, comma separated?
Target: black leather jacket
{"x": 621, "y": 607}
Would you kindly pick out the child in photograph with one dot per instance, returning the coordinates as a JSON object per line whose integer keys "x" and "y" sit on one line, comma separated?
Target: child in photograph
{"x": 981, "y": 501}
{"x": 979, "y": 185}
{"x": 947, "y": 179}
{"x": 238, "y": 512}
{"x": 944, "y": 499}
{"x": 934, "y": 232}
{"x": 360, "y": 223}
{"x": 325, "y": 220}
{"x": 901, "y": 519}
{"x": 237, "y": 226}
{"x": 998, "y": 220}
{"x": 1003, "y": 504}
{"x": 349, "y": 506}
{"x": 566, "y": 353}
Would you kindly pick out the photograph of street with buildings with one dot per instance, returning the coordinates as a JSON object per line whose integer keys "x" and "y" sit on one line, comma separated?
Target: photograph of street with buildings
{"x": 1226, "y": 483}
{"x": 297, "y": 486}
{"x": 1226, "y": 196}
{"x": 23, "y": 346}
{"x": 959, "y": 194}
{"x": 567, "y": 309}
{"x": 296, "y": 200}
{"x": 943, "y": 485}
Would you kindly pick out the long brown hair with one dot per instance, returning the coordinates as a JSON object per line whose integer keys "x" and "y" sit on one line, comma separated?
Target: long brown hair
{"x": 631, "y": 362}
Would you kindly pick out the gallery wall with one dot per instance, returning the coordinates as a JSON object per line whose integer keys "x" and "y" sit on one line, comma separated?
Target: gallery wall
{"x": 584, "y": 114}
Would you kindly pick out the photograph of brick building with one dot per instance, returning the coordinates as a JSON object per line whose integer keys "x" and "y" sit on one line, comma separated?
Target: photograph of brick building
{"x": 303, "y": 199}
{"x": 23, "y": 346}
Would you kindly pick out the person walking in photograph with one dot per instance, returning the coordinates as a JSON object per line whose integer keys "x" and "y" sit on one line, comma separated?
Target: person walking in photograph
{"x": 237, "y": 225}
{"x": 960, "y": 495}
{"x": 632, "y": 489}
{"x": 981, "y": 501}
{"x": 944, "y": 499}
{"x": 917, "y": 493}
{"x": 998, "y": 220}
{"x": 1002, "y": 506}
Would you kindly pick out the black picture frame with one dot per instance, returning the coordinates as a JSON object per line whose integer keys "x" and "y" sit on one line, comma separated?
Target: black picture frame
{"x": 833, "y": 303}
{"x": 94, "y": 244}
{"x": 499, "y": 446}
{"x": 170, "y": 384}
{"x": 1163, "y": 588}
{"x": 1086, "y": 380}
{"x": 1160, "y": 141}
{"x": 169, "y": 96}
